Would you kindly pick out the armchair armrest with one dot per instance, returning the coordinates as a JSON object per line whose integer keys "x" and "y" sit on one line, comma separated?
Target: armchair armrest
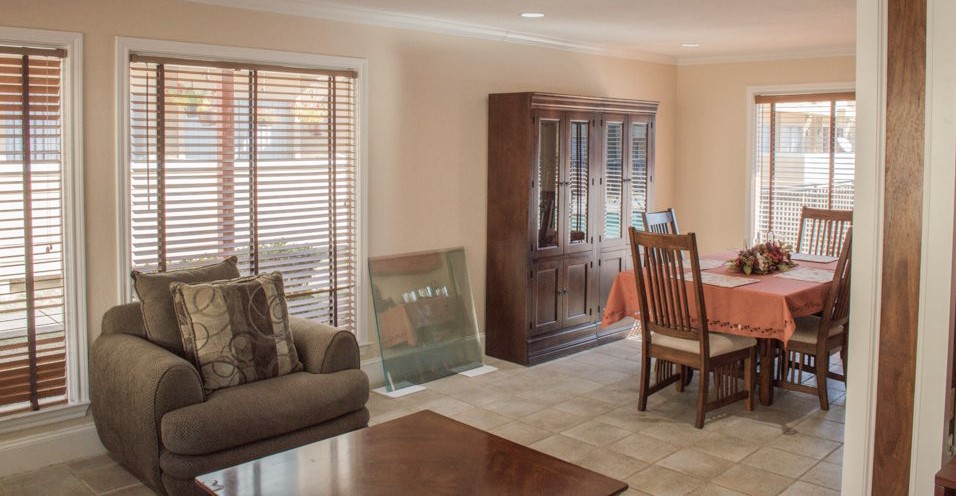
{"x": 133, "y": 383}
{"x": 322, "y": 349}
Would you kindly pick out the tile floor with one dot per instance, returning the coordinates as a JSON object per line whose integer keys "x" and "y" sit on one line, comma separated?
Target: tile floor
{"x": 583, "y": 409}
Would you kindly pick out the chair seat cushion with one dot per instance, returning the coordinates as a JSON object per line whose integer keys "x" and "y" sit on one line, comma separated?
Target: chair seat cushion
{"x": 808, "y": 329}
{"x": 720, "y": 344}
{"x": 263, "y": 409}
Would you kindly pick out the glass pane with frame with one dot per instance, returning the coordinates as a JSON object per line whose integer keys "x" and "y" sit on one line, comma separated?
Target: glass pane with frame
{"x": 578, "y": 181}
{"x": 639, "y": 142}
{"x": 614, "y": 181}
{"x": 547, "y": 174}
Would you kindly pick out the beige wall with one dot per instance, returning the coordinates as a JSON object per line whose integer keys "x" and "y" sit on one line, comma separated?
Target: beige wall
{"x": 427, "y": 118}
{"x": 713, "y": 165}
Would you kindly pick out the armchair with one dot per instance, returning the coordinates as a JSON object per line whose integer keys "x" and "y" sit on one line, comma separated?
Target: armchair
{"x": 151, "y": 413}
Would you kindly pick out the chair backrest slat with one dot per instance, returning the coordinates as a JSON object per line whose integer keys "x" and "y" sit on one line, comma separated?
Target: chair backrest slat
{"x": 668, "y": 305}
{"x": 837, "y": 308}
{"x": 662, "y": 222}
{"x": 826, "y": 232}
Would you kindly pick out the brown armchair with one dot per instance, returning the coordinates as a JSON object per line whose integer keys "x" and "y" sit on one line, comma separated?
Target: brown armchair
{"x": 151, "y": 413}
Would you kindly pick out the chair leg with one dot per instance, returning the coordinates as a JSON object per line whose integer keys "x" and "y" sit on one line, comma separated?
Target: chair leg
{"x": 823, "y": 365}
{"x": 702, "y": 398}
{"x": 843, "y": 356}
{"x": 681, "y": 383}
{"x": 645, "y": 382}
{"x": 749, "y": 367}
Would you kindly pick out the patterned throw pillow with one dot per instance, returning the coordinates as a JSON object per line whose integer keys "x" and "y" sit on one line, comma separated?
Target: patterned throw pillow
{"x": 236, "y": 331}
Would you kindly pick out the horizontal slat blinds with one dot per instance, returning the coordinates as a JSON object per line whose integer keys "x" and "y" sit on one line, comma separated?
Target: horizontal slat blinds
{"x": 804, "y": 155}
{"x": 251, "y": 162}
{"x": 639, "y": 174}
{"x": 32, "y": 334}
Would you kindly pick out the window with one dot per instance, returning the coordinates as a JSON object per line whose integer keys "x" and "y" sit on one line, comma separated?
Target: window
{"x": 256, "y": 161}
{"x": 804, "y": 156}
{"x": 42, "y": 323}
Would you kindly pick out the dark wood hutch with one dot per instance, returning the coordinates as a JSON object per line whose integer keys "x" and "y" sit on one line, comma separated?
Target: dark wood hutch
{"x": 566, "y": 176}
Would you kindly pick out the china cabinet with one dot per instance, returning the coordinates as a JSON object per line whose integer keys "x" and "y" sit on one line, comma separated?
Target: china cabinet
{"x": 566, "y": 176}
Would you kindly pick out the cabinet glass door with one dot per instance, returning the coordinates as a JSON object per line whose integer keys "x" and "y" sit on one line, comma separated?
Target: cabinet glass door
{"x": 578, "y": 182}
{"x": 614, "y": 181}
{"x": 639, "y": 172}
{"x": 546, "y": 178}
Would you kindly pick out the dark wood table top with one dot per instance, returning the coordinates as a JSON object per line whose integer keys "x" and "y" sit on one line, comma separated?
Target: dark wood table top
{"x": 422, "y": 453}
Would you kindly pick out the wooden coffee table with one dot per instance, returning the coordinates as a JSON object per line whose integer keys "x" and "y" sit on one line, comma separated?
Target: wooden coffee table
{"x": 422, "y": 453}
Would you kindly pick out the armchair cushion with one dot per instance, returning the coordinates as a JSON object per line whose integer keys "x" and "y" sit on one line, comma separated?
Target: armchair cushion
{"x": 236, "y": 331}
{"x": 157, "y": 302}
{"x": 234, "y": 416}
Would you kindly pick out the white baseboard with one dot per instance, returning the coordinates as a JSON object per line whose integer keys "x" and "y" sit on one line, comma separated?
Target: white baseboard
{"x": 49, "y": 448}
{"x": 373, "y": 368}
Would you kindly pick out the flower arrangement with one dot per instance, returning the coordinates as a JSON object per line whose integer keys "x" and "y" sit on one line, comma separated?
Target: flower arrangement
{"x": 764, "y": 258}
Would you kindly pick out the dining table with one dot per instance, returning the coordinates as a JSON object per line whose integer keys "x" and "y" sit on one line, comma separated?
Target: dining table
{"x": 765, "y": 307}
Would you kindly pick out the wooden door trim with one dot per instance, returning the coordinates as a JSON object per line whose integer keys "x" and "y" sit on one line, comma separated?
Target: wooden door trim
{"x": 902, "y": 245}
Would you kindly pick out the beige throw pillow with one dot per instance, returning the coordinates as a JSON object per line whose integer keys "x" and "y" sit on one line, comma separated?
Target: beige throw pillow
{"x": 236, "y": 331}
{"x": 157, "y": 302}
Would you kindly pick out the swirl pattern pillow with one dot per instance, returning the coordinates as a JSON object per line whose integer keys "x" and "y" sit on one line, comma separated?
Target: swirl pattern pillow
{"x": 236, "y": 331}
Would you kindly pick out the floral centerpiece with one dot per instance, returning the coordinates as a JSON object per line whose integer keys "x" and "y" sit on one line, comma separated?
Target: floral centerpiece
{"x": 764, "y": 258}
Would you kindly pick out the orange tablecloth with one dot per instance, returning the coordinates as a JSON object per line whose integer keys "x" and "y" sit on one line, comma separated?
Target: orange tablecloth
{"x": 765, "y": 309}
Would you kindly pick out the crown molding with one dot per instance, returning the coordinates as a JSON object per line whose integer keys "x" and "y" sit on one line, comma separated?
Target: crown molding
{"x": 843, "y": 51}
{"x": 357, "y": 15}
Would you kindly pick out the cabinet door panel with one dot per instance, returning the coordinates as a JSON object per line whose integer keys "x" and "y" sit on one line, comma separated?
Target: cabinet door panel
{"x": 547, "y": 299}
{"x": 578, "y": 185}
{"x": 611, "y": 264}
{"x": 614, "y": 183}
{"x": 639, "y": 170}
{"x": 577, "y": 287}
{"x": 547, "y": 225}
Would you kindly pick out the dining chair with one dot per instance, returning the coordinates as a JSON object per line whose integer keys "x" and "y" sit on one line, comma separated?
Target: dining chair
{"x": 822, "y": 231}
{"x": 674, "y": 327}
{"x": 661, "y": 222}
{"x": 817, "y": 338}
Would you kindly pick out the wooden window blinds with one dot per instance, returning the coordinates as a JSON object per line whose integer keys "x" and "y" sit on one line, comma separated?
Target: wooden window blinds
{"x": 33, "y": 371}
{"x": 804, "y": 155}
{"x": 254, "y": 161}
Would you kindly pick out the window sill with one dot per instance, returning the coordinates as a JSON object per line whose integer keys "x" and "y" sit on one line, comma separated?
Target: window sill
{"x": 30, "y": 420}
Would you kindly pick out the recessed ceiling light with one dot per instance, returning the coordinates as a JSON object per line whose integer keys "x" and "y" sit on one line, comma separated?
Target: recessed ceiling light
{"x": 690, "y": 45}
{"x": 532, "y": 15}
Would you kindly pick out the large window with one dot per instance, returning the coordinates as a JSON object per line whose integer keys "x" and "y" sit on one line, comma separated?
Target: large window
{"x": 804, "y": 155}
{"x": 256, "y": 161}
{"x": 42, "y": 334}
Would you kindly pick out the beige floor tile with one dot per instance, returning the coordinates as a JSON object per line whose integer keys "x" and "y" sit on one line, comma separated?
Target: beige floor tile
{"x": 595, "y": 359}
{"x": 106, "y": 477}
{"x": 678, "y": 433}
{"x": 836, "y": 413}
{"x": 697, "y": 463}
{"x": 57, "y": 479}
{"x": 612, "y": 464}
{"x": 481, "y": 418}
{"x": 823, "y": 428}
{"x": 752, "y": 481}
{"x": 616, "y": 395}
{"x": 644, "y": 448}
{"x": 800, "y": 444}
{"x": 759, "y": 432}
{"x": 780, "y": 462}
{"x": 633, "y": 492}
{"x": 585, "y": 407}
{"x": 139, "y": 490}
{"x": 630, "y": 418}
{"x": 825, "y": 474}
{"x": 660, "y": 481}
{"x": 597, "y": 433}
{"x": 521, "y": 433}
{"x": 731, "y": 448}
{"x": 445, "y": 406}
{"x": 563, "y": 447}
{"x": 389, "y": 415}
{"x": 605, "y": 375}
{"x": 553, "y": 420}
{"x": 835, "y": 457}
{"x": 715, "y": 490}
{"x": 514, "y": 407}
{"x": 801, "y": 488}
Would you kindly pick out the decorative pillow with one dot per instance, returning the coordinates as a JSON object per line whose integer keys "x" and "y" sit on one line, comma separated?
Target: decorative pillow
{"x": 157, "y": 302}
{"x": 236, "y": 331}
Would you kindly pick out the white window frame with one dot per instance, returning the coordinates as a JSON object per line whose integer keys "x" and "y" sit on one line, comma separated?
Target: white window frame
{"x": 788, "y": 89}
{"x": 74, "y": 256}
{"x": 125, "y": 46}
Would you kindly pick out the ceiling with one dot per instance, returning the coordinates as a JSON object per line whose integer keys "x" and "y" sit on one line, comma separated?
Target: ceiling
{"x": 726, "y": 30}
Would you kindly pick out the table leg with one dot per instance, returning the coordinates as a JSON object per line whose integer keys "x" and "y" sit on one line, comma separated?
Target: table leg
{"x": 766, "y": 371}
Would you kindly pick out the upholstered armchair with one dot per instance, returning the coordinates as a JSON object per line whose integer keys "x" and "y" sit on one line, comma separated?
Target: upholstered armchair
{"x": 152, "y": 414}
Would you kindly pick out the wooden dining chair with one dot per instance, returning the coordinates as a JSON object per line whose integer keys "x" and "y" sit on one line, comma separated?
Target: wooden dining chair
{"x": 817, "y": 338}
{"x": 674, "y": 327}
{"x": 822, "y": 232}
{"x": 662, "y": 222}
